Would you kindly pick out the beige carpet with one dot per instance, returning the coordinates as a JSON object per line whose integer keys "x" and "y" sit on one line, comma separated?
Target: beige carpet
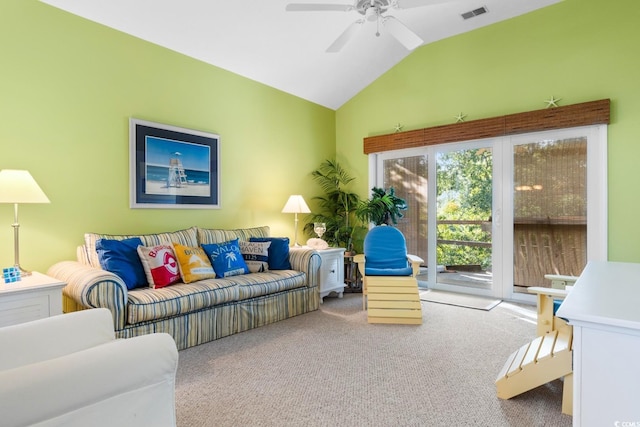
{"x": 331, "y": 368}
{"x": 461, "y": 300}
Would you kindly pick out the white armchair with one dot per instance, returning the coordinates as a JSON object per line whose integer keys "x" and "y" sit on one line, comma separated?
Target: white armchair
{"x": 69, "y": 370}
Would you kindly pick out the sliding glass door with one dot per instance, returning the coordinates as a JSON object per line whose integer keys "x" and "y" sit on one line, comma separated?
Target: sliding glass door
{"x": 492, "y": 217}
{"x": 449, "y": 191}
{"x": 557, "y": 212}
{"x": 464, "y": 205}
{"x": 408, "y": 175}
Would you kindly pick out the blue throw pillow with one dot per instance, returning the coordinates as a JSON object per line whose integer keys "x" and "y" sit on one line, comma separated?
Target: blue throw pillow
{"x": 226, "y": 258}
{"x": 121, "y": 257}
{"x": 278, "y": 252}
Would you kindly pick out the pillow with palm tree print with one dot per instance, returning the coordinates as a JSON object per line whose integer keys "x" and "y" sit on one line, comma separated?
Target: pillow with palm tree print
{"x": 226, "y": 258}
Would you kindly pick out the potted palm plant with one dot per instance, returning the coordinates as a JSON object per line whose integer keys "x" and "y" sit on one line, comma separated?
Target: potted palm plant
{"x": 382, "y": 208}
{"x": 336, "y": 208}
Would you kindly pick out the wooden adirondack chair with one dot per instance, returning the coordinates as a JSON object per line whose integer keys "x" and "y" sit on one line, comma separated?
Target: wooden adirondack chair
{"x": 547, "y": 357}
{"x": 389, "y": 285}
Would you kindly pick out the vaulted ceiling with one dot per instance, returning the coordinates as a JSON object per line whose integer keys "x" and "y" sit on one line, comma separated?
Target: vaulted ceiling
{"x": 262, "y": 41}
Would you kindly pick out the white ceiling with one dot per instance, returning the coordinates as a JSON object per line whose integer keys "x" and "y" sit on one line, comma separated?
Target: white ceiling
{"x": 259, "y": 40}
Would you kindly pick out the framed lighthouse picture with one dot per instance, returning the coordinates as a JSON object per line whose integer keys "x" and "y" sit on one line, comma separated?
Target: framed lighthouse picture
{"x": 173, "y": 167}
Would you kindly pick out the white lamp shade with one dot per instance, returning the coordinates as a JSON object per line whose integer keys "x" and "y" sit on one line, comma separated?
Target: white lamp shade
{"x": 18, "y": 186}
{"x": 296, "y": 204}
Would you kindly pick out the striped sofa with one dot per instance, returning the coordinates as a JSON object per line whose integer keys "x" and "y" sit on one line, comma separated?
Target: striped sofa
{"x": 197, "y": 312}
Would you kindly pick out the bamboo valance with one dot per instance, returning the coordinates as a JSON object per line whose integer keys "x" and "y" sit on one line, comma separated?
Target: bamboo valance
{"x": 584, "y": 114}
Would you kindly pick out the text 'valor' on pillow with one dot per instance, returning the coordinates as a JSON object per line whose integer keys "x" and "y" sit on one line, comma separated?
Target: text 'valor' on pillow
{"x": 226, "y": 258}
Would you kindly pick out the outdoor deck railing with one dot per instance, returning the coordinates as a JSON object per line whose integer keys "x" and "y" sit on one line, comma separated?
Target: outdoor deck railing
{"x": 541, "y": 246}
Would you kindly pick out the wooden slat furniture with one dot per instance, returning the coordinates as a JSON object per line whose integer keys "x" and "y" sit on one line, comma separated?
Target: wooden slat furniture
{"x": 393, "y": 298}
{"x": 546, "y": 358}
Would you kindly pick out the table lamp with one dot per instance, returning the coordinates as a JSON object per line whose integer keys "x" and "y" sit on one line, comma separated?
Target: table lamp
{"x": 18, "y": 186}
{"x": 296, "y": 205}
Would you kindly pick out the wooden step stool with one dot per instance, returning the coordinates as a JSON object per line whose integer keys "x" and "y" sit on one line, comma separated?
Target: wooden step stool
{"x": 393, "y": 299}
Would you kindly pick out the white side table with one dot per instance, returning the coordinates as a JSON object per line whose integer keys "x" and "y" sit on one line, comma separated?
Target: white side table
{"x": 603, "y": 309}
{"x": 34, "y": 297}
{"x": 332, "y": 272}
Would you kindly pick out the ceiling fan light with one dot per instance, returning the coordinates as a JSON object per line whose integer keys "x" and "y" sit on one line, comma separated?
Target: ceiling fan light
{"x": 371, "y": 14}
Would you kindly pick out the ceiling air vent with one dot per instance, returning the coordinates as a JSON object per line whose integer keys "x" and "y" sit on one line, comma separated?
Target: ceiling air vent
{"x": 474, "y": 12}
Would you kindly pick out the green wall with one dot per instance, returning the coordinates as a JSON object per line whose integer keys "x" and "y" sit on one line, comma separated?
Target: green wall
{"x": 577, "y": 50}
{"x": 69, "y": 86}
{"x": 67, "y": 89}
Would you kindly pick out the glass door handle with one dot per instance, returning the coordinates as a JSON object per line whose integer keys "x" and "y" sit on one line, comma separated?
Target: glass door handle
{"x": 497, "y": 217}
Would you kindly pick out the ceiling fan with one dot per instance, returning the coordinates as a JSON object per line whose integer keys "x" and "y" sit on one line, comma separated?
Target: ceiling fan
{"x": 371, "y": 10}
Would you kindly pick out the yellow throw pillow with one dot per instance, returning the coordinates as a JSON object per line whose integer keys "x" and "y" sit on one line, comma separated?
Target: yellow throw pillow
{"x": 194, "y": 263}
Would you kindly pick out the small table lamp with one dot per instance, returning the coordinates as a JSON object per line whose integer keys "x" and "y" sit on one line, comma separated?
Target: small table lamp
{"x": 18, "y": 186}
{"x": 296, "y": 205}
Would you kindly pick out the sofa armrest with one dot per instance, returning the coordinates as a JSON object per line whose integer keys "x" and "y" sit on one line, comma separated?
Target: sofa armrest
{"x": 308, "y": 261}
{"x": 55, "y": 336}
{"x": 92, "y": 287}
{"x": 123, "y": 382}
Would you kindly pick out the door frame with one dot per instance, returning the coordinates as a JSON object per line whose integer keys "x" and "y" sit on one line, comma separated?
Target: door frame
{"x": 496, "y": 250}
{"x": 596, "y": 197}
{"x": 502, "y": 235}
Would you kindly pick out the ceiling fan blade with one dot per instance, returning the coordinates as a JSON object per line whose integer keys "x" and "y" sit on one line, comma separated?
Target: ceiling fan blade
{"x": 337, "y": 45}
{"x": 408, "y": 4}
{"x": 402, "y": 33}
{"x": 314, "y": 7}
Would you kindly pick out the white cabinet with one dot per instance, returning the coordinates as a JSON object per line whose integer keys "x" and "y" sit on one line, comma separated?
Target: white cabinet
{"x": 34, "y": 297}
{"x": 332, "y": 272}
{"x": 603, "y": 309}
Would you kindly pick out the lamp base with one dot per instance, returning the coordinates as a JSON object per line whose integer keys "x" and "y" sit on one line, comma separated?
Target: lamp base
{"x": 16, "y": 243}
{"x": 23, "y": 272}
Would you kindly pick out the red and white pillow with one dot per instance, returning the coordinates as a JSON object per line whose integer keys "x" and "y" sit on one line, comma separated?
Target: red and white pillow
{"x": 160, "y": 265}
